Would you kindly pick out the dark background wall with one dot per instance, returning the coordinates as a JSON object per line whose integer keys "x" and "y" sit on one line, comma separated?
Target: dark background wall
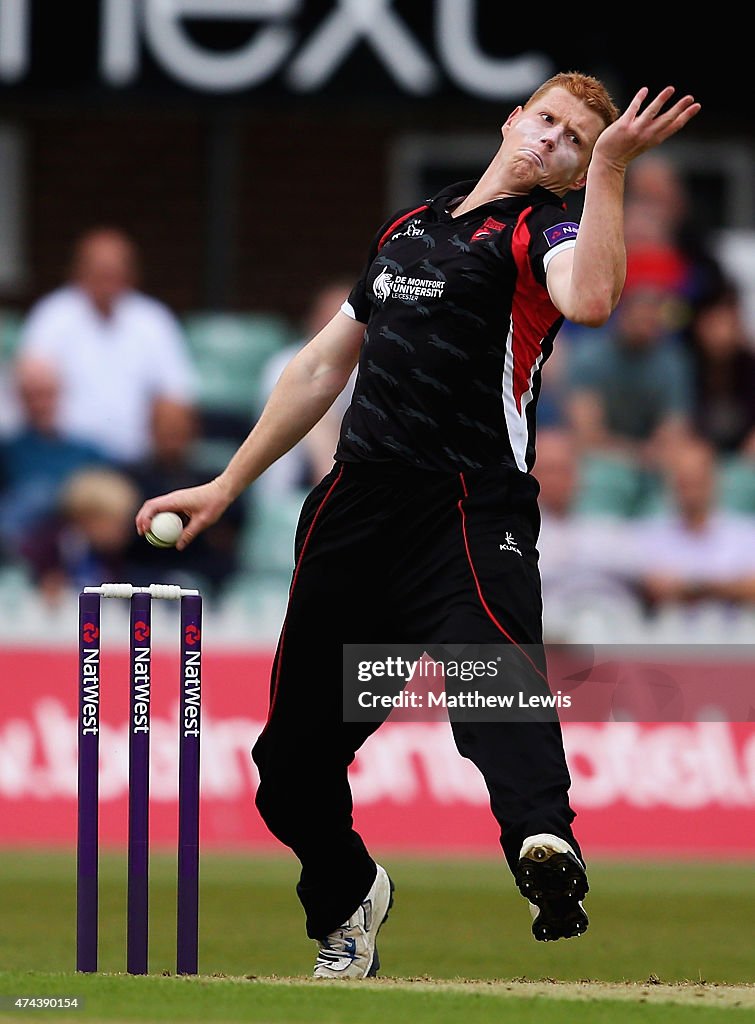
{"x": 300, "y": 198}
{"x": 245, "y": 200}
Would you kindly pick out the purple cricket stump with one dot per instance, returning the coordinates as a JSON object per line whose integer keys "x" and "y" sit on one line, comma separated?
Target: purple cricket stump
{"x": 138, "y": 790}
{"x": 187, "y": 944}
{"x": 87, "y": 877}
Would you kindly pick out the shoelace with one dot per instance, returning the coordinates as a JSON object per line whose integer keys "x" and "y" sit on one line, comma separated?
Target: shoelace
{"x": 337, "y": 945}
{"x": 329, "y": 956}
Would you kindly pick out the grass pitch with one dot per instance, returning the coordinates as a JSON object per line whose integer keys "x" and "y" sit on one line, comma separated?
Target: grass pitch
{"x": 668, "y": 942}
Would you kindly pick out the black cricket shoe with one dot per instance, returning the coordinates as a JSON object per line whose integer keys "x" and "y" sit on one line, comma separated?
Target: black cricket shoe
{"x": 554, "y": 881}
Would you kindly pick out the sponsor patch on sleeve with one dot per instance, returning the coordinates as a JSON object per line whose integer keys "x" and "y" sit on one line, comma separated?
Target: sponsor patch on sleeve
{"x": 560, "y": 232}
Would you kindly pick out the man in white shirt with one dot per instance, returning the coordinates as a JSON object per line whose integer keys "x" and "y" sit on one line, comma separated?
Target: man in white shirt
{"x": 698, "y": 552}
{"x": 118, "y": 353}
{"x": 587, "y": 561}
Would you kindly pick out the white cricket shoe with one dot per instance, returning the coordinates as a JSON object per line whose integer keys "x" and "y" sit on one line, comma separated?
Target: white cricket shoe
{"x": 350, "y": 951}
{"x": 554, "y": 881}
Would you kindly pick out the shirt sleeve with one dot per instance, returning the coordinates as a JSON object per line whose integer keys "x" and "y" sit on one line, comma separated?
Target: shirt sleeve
{"x": 552, "y": 230}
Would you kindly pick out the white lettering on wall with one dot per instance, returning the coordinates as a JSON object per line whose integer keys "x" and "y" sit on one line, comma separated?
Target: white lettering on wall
{"x": 371, "y": 21}
{"x": 226, "y": 72}
{"x": 473, "y": 70}
{"x": 119, "y": 42}
{"x": 14, "y": 39}
{"x": 276, "y": 47}
{"x": 160, "y": 23}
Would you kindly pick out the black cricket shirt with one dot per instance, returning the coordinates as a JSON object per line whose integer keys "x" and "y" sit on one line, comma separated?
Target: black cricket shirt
{"x": 458, "y": 326}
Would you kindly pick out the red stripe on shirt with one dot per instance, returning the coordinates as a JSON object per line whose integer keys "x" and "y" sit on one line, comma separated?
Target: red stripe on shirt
{"x": 399, "y": 222}
{"x": 532, "y": 312}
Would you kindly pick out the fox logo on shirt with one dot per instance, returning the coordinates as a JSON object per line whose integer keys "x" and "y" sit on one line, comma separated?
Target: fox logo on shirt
{"x": 381, "y": 286}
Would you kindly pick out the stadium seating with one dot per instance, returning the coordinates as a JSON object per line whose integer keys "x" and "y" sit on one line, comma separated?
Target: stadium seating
{"x": 737, "y": 484}
{"x": 230, "y": 351}
{"x": 267, "y": 547}
{"x": 10, "y": 332}
{"x": 612, "y": 487}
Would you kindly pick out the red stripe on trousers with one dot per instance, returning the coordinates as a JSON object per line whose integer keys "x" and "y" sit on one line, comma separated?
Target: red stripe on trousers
{"x": 481, "y": 596}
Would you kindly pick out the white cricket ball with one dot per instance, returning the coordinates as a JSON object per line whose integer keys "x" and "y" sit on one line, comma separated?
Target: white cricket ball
{"x": 165, "y": 529}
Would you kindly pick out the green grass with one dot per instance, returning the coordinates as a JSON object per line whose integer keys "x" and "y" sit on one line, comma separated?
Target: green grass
{"x": 171, "y": 999}
{"x": 452, "y": 920}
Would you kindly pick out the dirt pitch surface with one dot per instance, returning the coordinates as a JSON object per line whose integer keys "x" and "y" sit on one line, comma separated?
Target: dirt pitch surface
{"x": 651, "y": 991}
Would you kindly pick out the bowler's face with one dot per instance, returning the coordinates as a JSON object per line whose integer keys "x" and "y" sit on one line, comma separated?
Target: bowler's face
{"x": 550, "y": 142}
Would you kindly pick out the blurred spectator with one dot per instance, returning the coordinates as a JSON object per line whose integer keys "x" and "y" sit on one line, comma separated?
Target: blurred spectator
{"x": 630, "y": 389}
{"x": 90, "y": 538}
{"x": 724, "y": 374}
{"x": 552, "y": 403}
{"x": 665, "y": 244}
{"x": 698, "y": 552}
{"x": 212, "y": 558}
{"x": 308, "y": 461}
{"x": 116, "y": 350}
{"x": 36, "y": 460}
{"x": 586, "y": 561}
{"x": 667, "y": 253}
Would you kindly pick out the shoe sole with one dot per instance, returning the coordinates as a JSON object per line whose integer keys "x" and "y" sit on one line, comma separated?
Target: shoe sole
{"x": 555, "y": 883}
{"x": 375, "y": 965}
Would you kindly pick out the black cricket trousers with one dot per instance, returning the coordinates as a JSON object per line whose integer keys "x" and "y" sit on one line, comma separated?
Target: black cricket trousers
{"x": 384, "y": 555}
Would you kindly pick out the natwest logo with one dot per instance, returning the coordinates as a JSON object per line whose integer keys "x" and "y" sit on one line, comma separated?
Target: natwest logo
{"x": 90, "y": 633}
{"x": 141, "y": 631}
{"x": 192, "y": 635}
{"x": 277, "y": 45}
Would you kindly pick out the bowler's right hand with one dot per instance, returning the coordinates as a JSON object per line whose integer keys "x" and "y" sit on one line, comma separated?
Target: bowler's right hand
{"x": 199, "y": 507}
